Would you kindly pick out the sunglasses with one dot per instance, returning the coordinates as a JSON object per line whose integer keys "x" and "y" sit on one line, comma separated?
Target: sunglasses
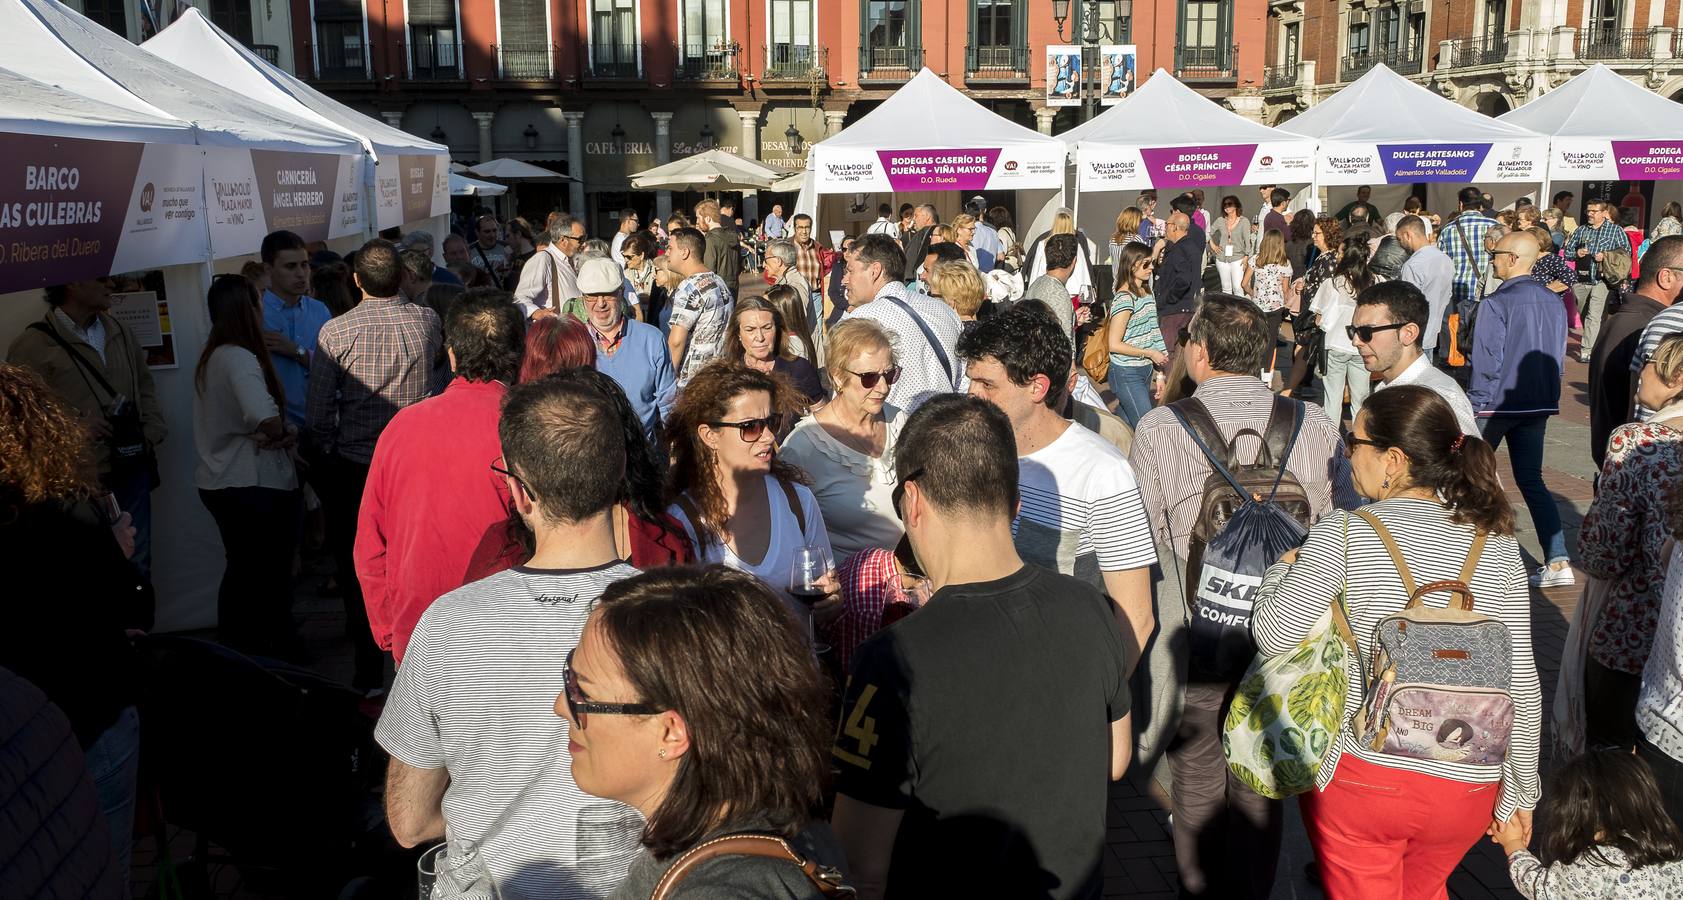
{"x": 868, "y": 380}
{"x": 579, "y": 706}
{"x": 1351, "y": 442}
{"x": 500, "y": 466}
{"x": 1365, "y": 333}
{"x": 751, "y": 429}
{"x": 900, "y": 489}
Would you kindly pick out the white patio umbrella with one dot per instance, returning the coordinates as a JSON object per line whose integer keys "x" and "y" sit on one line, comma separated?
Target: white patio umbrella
{"x": 714, "y": 170}
{"x": 463, "y": 186}
{"x": 515, "y": 170}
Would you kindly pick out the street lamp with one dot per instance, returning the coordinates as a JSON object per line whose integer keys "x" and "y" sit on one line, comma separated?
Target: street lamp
{"x": 707, "y": 138}
{"x": 618, "y": 134}
{"x": 795, "y": 142}
{"x": 531, "y": 136}
{"x": 1060, "y": 14}
{"x": 438, "y": 135}
{"x": 1091, "y": 33}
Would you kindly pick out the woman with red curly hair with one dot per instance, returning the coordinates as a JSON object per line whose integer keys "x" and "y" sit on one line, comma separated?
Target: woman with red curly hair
{"x": 73, "y": 586}
{"x": 740, "y": 505}
{"x": 555, "y": 344}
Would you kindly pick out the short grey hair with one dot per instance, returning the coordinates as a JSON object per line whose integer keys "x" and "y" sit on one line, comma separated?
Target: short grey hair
{"x": 416, "y": 240}
{"x": 598, "y": 247}
{"x": 560, "y": 228}
{"x": 783, "y": 252}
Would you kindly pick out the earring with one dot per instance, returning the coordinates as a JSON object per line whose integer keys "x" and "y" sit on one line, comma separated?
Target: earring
{"x": 1386, "y": 484}
{"x": 663, "y": 754}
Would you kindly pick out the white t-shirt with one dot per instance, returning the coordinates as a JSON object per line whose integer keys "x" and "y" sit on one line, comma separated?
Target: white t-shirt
{"x": 476, "y": 695}
{"x": 225, "y": 414}
{"x": 1336, "y": 306}
{"x": 1081, "y": 512}
{"x": 786, "y": 538}
{"x": 855, "y": 491}
{"x": 1424, "y": 374}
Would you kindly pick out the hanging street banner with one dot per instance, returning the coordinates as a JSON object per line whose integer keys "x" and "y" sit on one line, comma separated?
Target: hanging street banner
{"x": 318, "y": 196}
{"x": 1463, "y": 163}
{"x": 74, "y": 209}
{"x": 409, "y": 188}
{"x": 1117, "y": 73}
{"x": 1117, "y": 167}
{"x": 1579, "y": 159}
{"x": 1063, "y": 75}
{"x": 1038, "y": 165}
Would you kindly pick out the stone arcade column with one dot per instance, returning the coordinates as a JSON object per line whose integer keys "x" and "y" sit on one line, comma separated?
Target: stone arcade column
{"x": 663, "y": 155}
{"x": 750, "y": 149}
{"x": 1043, "y": 118}
{"x": 833, "y": 121}
{"x": 575, "y": 161}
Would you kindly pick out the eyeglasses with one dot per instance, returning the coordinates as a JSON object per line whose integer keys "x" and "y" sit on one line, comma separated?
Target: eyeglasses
{"x": 868, "y": 380}
{"x": 1365, "y": 333}
{"x": 578, "y": 705}
{"x": 500, "y": 466}
{"x": 1496, "y": 253}
{"x": 751, "y": 429}
{"x": 900, "y": 489}
{"x": 1351, "y": 442}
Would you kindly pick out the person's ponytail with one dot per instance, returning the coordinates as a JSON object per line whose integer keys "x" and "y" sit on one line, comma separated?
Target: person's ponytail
{"x": 1460, "y": 468}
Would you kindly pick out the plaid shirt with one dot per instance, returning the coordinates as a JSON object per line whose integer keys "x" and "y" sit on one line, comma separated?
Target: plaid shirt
{"x": 808, "y": 263}
{"x": 1463, "y": 242}
{"x": 1596, "y": 239}
{"x": 369, "y": 363}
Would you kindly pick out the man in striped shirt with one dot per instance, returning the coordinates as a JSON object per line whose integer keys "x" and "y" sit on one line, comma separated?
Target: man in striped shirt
{"x": 1081, "y": 513}
{"x": 478, "y": 754}
{"x": 1228, "y": 339}
{"x": 1462, "y": 240}
{"x": 1586, "y": 245}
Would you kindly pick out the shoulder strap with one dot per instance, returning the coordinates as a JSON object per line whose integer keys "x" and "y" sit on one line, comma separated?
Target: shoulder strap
{"x": 1285, "y": 423}
{"x": 552, "y": 301}
{"x": 827, "y": 880}
{"x": 794, "y": 504}
{"x": 1473, "y": 554}
{"x": 81, "y": 361}
{"x": 928, "y": 335}
{"x": 622, "y": 532}
{"x": 1195, "y": 417}
{"x": 1391, "y": 548}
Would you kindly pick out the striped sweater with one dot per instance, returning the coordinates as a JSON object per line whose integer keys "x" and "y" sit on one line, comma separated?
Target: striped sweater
{"x": 1293, "y": 597}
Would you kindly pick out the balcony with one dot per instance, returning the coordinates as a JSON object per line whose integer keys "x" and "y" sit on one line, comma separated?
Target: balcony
{"x": 1488, "y": 50}
{"x": 795, "y": 62}
{"x": 996, "y": 63}
{"x": 1205, "y": 63}
{"x": 524, "y": 62}
{"x": 1609, "y": 44}
{"x": 1282, "y": 77}
{"x": 703, "y": 62}
{"x": 435, "y": 61}
{"x": 269, "y": 53}
{"x": 889, "y": 63}
{"x": 620, "y": 62}
{"x": 1401, "y": 60}
{"x": 340, "y": 55}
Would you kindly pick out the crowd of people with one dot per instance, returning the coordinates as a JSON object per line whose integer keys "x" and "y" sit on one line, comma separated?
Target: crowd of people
{"x": 664, "y": 557}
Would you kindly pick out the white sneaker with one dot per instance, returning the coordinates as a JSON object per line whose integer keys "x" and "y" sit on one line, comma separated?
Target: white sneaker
{"x": 1553, "y": 575}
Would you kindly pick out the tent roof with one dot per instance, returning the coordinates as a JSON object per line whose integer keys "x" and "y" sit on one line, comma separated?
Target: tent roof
{"x": 930, "y": 114}
{"x": 49, "y": 42}
{"x": 28, "y": 106}
{"x": 1163, "y": 112}
{"x": 1384, "y": 107}
{"x": 1600, "y": 103}
{"x": 194, "y": 43}
{"x": 714, "y": 170}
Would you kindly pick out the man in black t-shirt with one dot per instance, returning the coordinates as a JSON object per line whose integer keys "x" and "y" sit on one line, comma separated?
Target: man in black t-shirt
{"x": 980, "y": 733}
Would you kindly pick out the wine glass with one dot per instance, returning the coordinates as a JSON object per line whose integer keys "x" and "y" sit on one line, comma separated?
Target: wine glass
{"x": 455, "y": 870}
{"x": 806, "y": 576}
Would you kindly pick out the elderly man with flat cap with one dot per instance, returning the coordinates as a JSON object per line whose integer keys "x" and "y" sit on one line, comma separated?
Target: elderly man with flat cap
{"x": 1519, "y": 345}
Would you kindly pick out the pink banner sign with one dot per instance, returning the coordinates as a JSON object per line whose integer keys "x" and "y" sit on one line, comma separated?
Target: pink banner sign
{"x": 1649, "y": 160}
{"x": 1189, "y": 167}
{"x": 938, "y": 170}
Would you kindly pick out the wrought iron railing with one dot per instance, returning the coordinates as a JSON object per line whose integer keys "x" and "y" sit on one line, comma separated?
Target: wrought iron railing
{"x": 794, "y": 62}
{"x": 524, "y": 61}
{"x": 435, "y": 60}
{"x": 1629, "y": 43}
{"x": 996, "y": 62}
{"x": 269, "y": 53}
{"x": 1205, "y": 63}
{"x": 898, "y": 63}
{"x": 1485, "y": 50}
{"x": 615, "y": 60}
{"x": 1401, "y": 60}
{"x": 340, "y": 54}
{"x": 1281, "y": 77}
{"x": 708, "y": 62}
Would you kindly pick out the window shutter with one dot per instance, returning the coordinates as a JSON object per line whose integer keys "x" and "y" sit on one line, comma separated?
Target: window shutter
{"x": 432, "y": 12}
{"x": 338, "y": 11}
{"x": 523, "y": 23}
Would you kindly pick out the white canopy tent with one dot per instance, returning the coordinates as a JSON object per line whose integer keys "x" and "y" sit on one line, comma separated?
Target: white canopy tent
{"x": 515, "y": 170}
{"x": 927, "y": 140}
{"x": 407, "y": 183}
{"x": 1603, "y": 127}
{"x": 713, "y": 170}
{"x": 1386, "y": 130}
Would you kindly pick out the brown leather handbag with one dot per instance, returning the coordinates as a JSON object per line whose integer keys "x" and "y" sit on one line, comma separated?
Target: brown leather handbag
{"x": 826, "y": 879}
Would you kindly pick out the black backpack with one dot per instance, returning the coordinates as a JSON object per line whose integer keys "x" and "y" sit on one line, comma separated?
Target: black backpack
{"x": 1249, "y": 515}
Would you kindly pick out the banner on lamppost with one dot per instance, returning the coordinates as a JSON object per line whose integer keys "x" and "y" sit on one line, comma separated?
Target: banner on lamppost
{"x": 1117, "y": 71}
{"x": 1063, "y": 75}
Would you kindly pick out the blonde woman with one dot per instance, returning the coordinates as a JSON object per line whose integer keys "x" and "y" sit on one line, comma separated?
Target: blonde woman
{"x": 1134, "y": 338}
{"x": 1080, "y": 283}
{"x": 1267, "y": 279}
{"x": 964, "y": 235}
{"x": 960, "y": 286}
{"x": 1127, "y": 232}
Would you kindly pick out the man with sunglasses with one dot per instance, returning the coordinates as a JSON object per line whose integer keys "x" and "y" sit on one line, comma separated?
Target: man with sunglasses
{"x": 548, "y": 280}
{"x": 979, "y": 735}
{"x": 1386, "y": 330}
{"x": 476, "y": 748}
{"x": 1519, "y": 348}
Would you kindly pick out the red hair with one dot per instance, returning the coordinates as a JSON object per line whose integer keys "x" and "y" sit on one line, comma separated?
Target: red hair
{"x": 556, "y": 344}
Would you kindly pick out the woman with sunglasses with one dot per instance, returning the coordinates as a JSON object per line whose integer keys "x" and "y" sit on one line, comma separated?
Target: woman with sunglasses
{"x": 1135, "y": 340}
{"x": 655, "y": 703}
{"x": 848, "y": 446}
{"x": 739, "y": 504}
{"x": 1379, "y": 817}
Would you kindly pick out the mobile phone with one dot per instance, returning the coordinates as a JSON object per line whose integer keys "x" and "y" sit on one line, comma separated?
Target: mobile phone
{"x": 108, "y": 505}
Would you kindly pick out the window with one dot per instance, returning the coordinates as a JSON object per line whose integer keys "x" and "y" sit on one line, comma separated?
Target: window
{"x": 998, "y": 39}
{"x": 1358, "y": 34}
{"x": 1495, "y": 17}
{"x": 1203, "y": 37}
{"x": 890, "y": 31}
{"x": 1387, "y": 32}
{"x": 613, "y": 38}
{"x": 110, "y": 13}
{"x": 523, "y": 26}
{"x": 1606, "y": 17}
{"x": 704, "y": 26}
{"x": 1116, "y": 21}
{"x": 234, "y": 17}
{"x": 339, "y": 45}
{"x": 995, "y": 23}
{"x": 791, "y": 37}
{"x": 433, "y": 51}
{"x": 1289, "y": 46}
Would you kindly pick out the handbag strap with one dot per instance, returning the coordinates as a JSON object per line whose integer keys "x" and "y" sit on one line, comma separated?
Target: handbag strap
{"x": 826, "y": 879}
{"x": 1459, "y": 586}
{"x": 82, "y": 364}
{"x": 1391, "y": 548}
{"x": 928, "y": 335}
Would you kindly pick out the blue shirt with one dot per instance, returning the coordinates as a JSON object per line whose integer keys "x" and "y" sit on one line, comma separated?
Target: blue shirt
{"x": 774, "y": 227}
{"x": 643, "y": 368}
{"x": 1519, "y": 345}
{"x": 300, "y": 323}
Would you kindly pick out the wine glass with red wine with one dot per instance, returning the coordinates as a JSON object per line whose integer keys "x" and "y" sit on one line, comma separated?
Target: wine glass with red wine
{"x": 806, "y": 584}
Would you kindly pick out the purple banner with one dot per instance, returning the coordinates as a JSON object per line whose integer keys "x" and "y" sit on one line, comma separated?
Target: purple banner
{"x": 938, "y": 170}
{"x": 1649, "y": 160}
{"x": 1189, "y": 167}
{"x": 1432, "y": 162}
